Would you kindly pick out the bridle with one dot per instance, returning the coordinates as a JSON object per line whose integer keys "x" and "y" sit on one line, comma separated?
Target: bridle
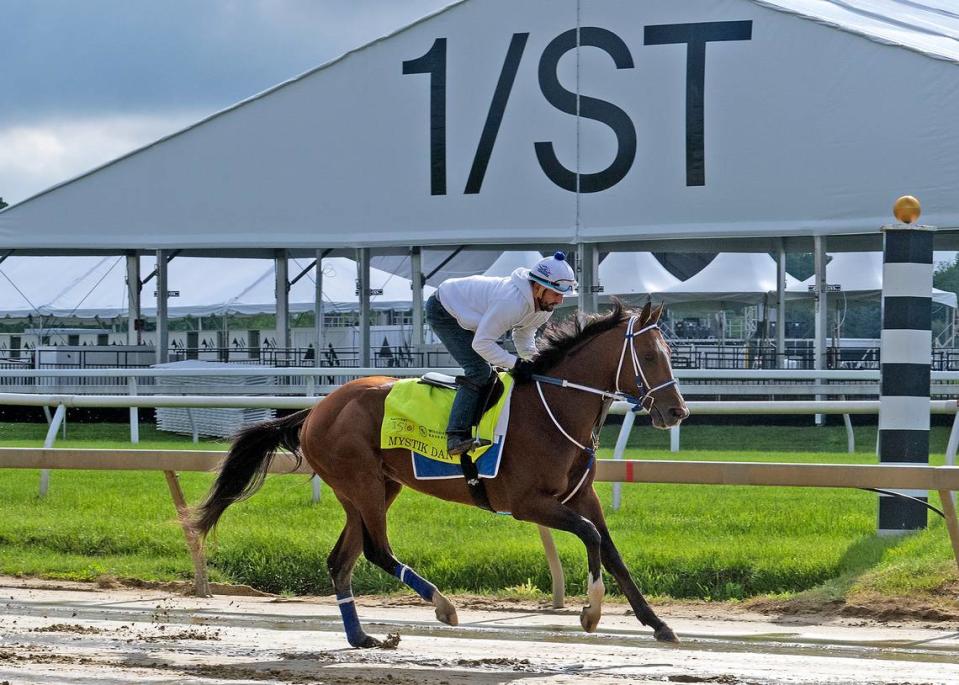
{"x": 644, "y": 400}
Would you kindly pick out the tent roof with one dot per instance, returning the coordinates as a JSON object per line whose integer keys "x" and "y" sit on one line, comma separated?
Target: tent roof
{"x": 84, "y": 287}
{"x": 343, "y": 155}
{"x": 859, "y": 274}
{"x": 730, "y": 277}
{"x": 930, "y": 27}
{"x": 628, "y": 273}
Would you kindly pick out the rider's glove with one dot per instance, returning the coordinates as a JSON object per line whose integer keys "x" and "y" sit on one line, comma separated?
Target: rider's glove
{"x": 523, "y": 370}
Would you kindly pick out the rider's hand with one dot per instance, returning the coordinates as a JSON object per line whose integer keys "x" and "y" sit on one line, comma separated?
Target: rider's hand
{"x": 523, "y": 370}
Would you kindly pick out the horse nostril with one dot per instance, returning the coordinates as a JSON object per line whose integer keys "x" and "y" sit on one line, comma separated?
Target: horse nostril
{"x": 679, "y": 412}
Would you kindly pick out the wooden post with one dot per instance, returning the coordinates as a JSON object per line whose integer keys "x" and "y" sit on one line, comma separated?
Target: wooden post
{"x": 952, "y": 524}
{"x": 201, "y": 586}
{"x": 555, "y": 567}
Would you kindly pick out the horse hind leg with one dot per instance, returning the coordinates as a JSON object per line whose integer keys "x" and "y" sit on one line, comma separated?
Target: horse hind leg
{"x": 340, "y": 565}
{"x": 376, "y": 548}
{"x": 550, "y": 513}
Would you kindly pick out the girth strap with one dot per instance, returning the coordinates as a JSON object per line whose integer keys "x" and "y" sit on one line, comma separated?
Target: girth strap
{"x": 474, "y": 483}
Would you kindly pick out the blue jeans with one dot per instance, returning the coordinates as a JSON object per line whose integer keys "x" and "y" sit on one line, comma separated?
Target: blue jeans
{"x": 459, "y": 343}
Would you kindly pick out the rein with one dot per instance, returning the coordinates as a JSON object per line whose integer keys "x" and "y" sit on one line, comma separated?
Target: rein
{"x": 645, "y": 400}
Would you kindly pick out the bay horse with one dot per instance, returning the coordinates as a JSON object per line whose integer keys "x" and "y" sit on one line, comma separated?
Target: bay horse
{"x": 546, "y": 473}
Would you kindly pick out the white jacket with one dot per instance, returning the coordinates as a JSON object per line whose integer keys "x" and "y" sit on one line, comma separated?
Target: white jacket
{"x": 490, "y": 307}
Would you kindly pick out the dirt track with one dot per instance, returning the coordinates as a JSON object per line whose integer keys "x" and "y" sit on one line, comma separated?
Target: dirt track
{"x": 81, "y": 634}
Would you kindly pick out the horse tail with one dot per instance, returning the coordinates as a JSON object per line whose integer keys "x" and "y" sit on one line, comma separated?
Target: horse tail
{"x": 246, "y": 465}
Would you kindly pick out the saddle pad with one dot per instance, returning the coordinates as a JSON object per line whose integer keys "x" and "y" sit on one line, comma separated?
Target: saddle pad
{"x": 487, "y": 466}
{"x": 415, "y": 417}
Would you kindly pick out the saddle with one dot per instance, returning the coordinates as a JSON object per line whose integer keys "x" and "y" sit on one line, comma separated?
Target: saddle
{"x": 442, "y": 380}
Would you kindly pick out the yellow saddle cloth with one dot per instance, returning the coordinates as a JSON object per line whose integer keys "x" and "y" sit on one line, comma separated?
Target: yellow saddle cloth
{"x": 416, "y": 414}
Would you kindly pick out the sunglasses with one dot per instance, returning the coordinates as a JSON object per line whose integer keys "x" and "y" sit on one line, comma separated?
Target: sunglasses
{"x": 563, "y": 285}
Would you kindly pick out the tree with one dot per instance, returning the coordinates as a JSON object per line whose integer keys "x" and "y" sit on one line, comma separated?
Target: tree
{"x": 946, "y": 275}
{"x": 3, "y": 204}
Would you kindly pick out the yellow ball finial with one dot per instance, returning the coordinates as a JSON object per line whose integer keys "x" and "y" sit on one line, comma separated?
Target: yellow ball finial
{"x": 907, "y": 209}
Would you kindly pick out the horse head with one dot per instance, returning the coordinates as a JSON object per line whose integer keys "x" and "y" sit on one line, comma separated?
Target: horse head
{"x": 651, "y": 371}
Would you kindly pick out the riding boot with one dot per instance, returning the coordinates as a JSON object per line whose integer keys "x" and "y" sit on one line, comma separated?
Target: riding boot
{"x": 461, "y": 440}
{"x": 459, "y": 432}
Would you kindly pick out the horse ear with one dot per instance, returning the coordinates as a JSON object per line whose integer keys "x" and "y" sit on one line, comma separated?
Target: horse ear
{"x": 658, "y": 313}
{"x": 645, "y": 314}
{"x": 581, "y": 318}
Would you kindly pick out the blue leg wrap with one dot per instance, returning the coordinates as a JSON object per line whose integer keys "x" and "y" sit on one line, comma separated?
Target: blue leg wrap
{"x": 423, "y": 588}
{"x": 354, "y": 633}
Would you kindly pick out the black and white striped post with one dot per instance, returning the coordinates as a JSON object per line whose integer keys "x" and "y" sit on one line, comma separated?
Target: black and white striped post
{"x": 906, "y": 355}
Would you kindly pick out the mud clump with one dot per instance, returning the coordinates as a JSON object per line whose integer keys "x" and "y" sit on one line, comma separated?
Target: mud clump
{"x": 66, "y": 628}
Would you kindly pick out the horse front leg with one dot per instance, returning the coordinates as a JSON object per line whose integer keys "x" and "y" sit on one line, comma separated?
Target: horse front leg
{"x": 546, "y": 511}
{"x": 587, "y": 503}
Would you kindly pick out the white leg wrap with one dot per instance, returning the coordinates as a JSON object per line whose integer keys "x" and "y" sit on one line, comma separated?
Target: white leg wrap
{"x": 596, "y": 592}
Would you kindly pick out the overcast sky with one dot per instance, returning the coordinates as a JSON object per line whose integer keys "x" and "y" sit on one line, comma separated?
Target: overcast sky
{"x": 84, "y": 81}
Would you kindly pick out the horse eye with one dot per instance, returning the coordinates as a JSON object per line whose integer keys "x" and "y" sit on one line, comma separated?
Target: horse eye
{"x": 650, "y": 357}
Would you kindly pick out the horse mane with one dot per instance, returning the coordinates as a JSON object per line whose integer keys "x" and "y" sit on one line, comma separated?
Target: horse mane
{"x": 559, "y": 338}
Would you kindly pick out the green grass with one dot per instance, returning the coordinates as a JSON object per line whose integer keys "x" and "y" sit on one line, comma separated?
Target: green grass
{"x": 101, "y": 435}
{"x": 715, "y": 542}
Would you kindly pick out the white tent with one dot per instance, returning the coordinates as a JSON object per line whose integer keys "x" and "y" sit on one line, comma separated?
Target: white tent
{"x": 859, "y": 275}
{"x": 509, "y": 261}
{"x": 84, "y": 287}
{"x": 42, "y": 285}
{"x": 439, "y": 265}
{"x": 730, "y": 277}
{"x": 731, "y": 119}
{"x": 634, "y": 273}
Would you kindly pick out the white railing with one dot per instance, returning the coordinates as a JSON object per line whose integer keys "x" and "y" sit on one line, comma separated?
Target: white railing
{"x": 311, "y": 381}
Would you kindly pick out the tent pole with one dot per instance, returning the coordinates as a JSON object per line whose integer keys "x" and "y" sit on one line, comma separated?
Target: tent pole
{"x": 416, "y": 267}
{"x": 282, "y": 300}
{"x": 586, "y": 259}
{"x": 781, "y": 306}
{"x": 162, "y": 332}
{"x": 318, "y": 310}
{"x": 822, "y": 308}
{"x": 363, "y": 286}
{"x": 133, "y": 333}
{"x": 594, "y": 266}
{"x": 133, "y": 299}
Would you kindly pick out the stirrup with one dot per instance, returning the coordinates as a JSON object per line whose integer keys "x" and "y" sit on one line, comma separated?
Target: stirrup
{"x": 465, "y": 445}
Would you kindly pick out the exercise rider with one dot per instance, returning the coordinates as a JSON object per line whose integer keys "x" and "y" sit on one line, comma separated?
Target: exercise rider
{"x": 471, "y": 314}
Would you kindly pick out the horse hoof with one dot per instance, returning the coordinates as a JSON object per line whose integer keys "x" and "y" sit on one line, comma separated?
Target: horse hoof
{"x": 445, "y": 611}
{"x": 665, "y": 634}
{"x": 589, "y": 619}
{"x": 365, "y": 642}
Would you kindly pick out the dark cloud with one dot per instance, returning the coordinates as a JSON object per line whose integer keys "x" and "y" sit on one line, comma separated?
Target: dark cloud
{"x": 63, "y": 57}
